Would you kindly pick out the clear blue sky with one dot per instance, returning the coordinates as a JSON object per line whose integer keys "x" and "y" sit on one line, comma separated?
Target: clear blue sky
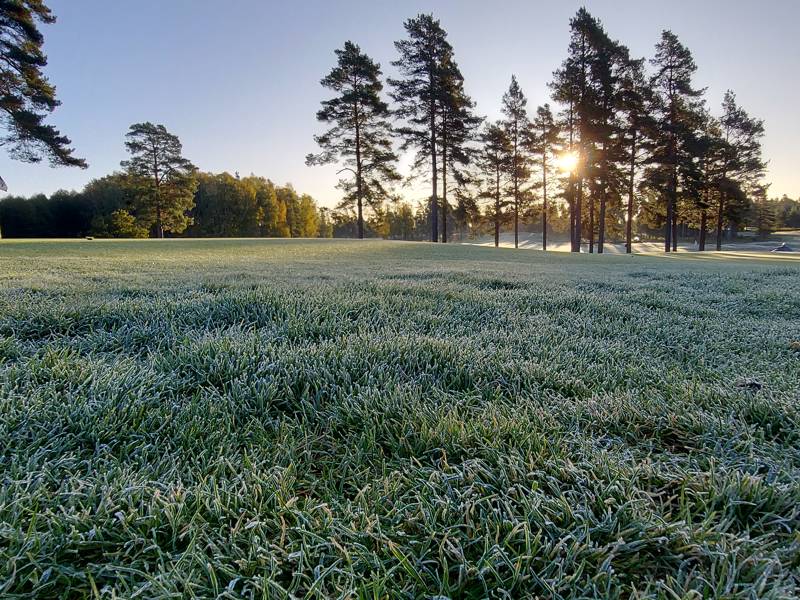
{"x": 238, "y": 80}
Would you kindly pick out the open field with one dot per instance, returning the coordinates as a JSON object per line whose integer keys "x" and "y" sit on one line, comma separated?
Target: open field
{"x": 323, "y": 419}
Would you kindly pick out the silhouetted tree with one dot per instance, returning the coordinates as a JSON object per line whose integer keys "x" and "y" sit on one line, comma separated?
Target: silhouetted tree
{"x": 788, "y": 212}
{"x": 360, "y": 136}
{"x": 575, "y": 85}
{"x": 517, "y": 130}
{"x": 426, "y": 68}
{"x": 467, "y": 212}
{"x": 743, "y": 166}
{"x": 457, "y": 130}
{"x": 764, "y": 212}
{"x": 677, "y": 110}
{"x": 608, "y": 68}
{"x": 712, "y": 152}
{"x": 494, "y": 162}
{"x": 544, "y": 142}
{"x": 633, "y": 101}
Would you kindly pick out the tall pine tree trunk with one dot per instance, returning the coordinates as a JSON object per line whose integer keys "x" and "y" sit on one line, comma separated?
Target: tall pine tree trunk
{"x": 497, "y": 211}
{"x": 516, "y": 199}
{"x": 571, "y": 189}
{"x": 674, "y": 230}
{"x": 544, "y": 202}
{"x": 578, "y": 219}
{"x": 444, "y": 180}
{"x": 159, "y": 222}
{"x": 668, "y": 226}
{"x": 359, "y": 185}
{"x": 156, "y": 180}
{"x": 673, "y": 181}
{"x": 574, "y": 247}
{"x": 601, "y": 217}
{"x": 720, "y": 214}
{"x": 601, "y": 236}
{"x": 434, "y": 180}
{"x": 591, "y": 222}
{"x": 701, "y": 245}
{"x": 631, "y": 178}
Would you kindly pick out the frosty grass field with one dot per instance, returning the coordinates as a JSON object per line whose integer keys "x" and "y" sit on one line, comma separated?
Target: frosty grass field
{"x": 335, "y": 419}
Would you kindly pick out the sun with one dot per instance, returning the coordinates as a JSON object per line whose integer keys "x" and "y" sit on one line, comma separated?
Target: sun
{"x": 567, "y": 162}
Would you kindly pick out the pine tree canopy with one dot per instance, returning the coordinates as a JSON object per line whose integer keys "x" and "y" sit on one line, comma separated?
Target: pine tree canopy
{"x": 26, "y": 96}
{"x": 164, "y": 180}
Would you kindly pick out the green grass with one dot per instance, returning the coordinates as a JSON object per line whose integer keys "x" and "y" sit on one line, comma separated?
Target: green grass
{"x": 314, "y": 419}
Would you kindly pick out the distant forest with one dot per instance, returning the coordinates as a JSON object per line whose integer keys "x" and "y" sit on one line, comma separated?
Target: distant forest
{"x": 225, "y": 205}
{"x": 629, "y": 148}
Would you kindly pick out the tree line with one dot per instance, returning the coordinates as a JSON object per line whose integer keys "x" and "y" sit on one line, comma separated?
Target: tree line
{"x": 626, "y": 141}
{"x": 160, "y": 192}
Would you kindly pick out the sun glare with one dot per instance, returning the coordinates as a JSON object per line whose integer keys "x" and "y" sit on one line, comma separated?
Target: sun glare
{"x": 567, "y": 162}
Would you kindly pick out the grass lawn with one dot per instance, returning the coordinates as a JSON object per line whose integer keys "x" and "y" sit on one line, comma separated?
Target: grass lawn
{"x": 341, "y": 419}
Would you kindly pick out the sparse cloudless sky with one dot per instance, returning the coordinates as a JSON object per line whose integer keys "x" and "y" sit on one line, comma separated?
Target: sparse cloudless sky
{"x": 238, "y": 81}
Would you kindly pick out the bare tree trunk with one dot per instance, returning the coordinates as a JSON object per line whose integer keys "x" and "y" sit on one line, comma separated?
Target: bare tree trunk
{"x": 720, "y": 214}
{"x": 497, "y": 211}
{"x": 516, "y": 224}
{"x": 673, "y": 181}
{"x": 157, "y": 182}
{"x": 159, "y": 222}
{"x": 631, "y": 183}
{"x": 591, "y": 222}
{"x": 571, "y": 192}
{"x": 670, "y": 215}
{"x": 674, "y": 230}
{"x": 578, "y": 224}
{"x": 434, "y": 181}
{"x": 444, "y": 182}
{"x": 668, "y": 228}
{"x": 516, "y": 206}
{"x": 601, "y": 217}
{"x": 359, "y": 187}
{"x": 544, "y": 203}
{"x": 601, "y": 236}
{"x": 701, "y": 245}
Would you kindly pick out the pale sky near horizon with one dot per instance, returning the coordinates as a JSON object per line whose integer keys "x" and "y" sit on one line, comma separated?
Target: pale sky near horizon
{"x": 240, "y": 85}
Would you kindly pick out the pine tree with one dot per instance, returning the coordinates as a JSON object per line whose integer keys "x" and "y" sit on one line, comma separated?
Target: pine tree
{"x": 570, "y": 87}
{"x": 494, "y": 164}
{"x": 27, "y": 96}
{"x": 457, "y": 130}
{"x": 517, "y": 129}
{"x": 164, "y": 181}
{"x": 678, "y": 117}
{"x": 585, "y": 85}
{"x": 743, "y": 166}
{"x": 608, "y": 69}
{"x": 712, "y": 150}
{"x": 765, "y": 213}
{"x": 566, "y": 123}
{"x": 633, "y": 101}
{"x": 360, "y": 136}
{"x": 466, "y": 213}
{"x": 427, "y": 70}
{"x": 544, "y": 141}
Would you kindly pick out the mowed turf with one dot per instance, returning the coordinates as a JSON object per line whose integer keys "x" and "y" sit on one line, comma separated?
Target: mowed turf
{"x": 341, "y": 419}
